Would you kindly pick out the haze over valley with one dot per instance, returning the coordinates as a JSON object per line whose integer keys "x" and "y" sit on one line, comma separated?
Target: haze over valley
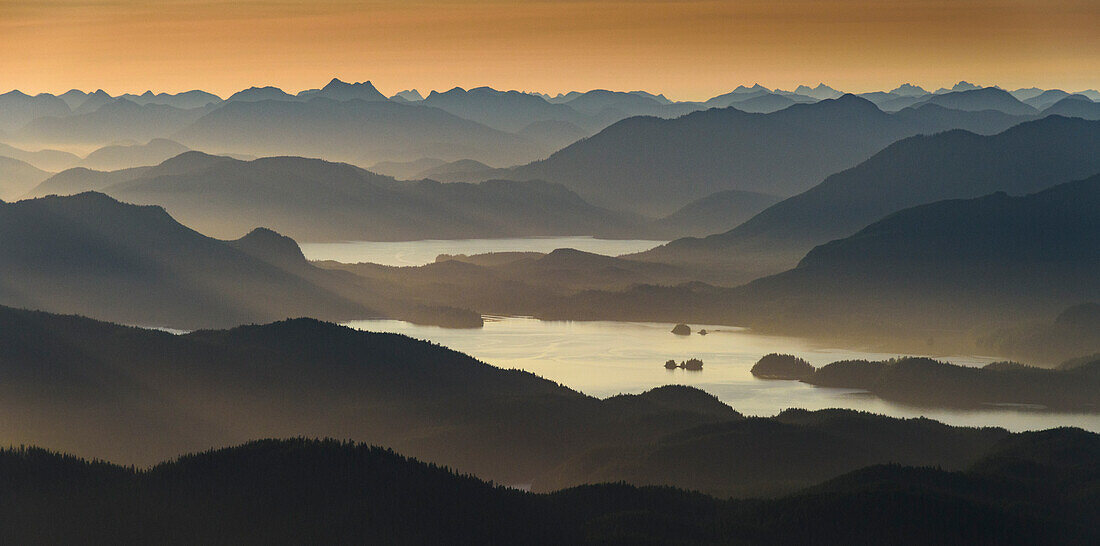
{"x": 549, "y": 273}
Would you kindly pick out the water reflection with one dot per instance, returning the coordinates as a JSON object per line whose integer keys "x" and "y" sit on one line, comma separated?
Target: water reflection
{"x": 607, "y": 358}
{"x": 406, "y": 253}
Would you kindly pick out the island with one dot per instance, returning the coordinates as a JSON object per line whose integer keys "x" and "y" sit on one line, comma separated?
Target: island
{"x": 781, "y": 366}
{"x": 693, "y": 364}
{"x": 928, "y": 382}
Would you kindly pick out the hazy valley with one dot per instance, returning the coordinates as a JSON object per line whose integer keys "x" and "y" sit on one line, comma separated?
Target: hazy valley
{"x": 893, "y": 296}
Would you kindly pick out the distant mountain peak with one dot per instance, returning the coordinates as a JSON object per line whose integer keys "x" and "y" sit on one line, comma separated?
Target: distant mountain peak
{"x": 961, "y": 86}
{"x": 268, "y": 92}
{"x": 452, "y": 92}
{"x": 485, "y": 89}
{"x": 820, "y": 92}
{"x": 661, "y": 98}
{"x": 909, "y": 90}
{"x": 849, "y": 99}
{"x": 342, "y": 91}
{"x": 411, "y": 95}
{"x": 755, "y": 88}
{"x": 337, "y": 83}
{"x": 272, "y": 247}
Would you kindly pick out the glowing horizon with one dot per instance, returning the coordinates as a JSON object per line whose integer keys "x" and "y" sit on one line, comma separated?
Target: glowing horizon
{"x": 687, "y": 49}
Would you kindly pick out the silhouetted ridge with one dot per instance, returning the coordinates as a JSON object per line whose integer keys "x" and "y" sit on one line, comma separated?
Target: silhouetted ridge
{"x": 91, "y": 254}
{"x": 277, "y": 491}
{"x": 987, "y": 98}
{"x": 17, "y": 177}
{"x": 358, "y": 131}
{"x": 922, "y": 169}
{"x": 338, "y": 90}
{"x": 312, "y": 199}
{"x": 654, "y": 166}
{"x": 253, "y": 94}
{"x": 117, "y": 157}
{"x": 945, "y": 263}
{"x": 1075, "y": 106}
{"x": 18, "y": 108}
{"x": 271, "y": 247}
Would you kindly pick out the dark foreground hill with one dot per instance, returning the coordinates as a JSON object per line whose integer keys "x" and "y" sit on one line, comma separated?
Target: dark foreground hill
{"x": 139, "y": 396}
{"x": 1036, "y": 488}
{"x": 314, "y": 200}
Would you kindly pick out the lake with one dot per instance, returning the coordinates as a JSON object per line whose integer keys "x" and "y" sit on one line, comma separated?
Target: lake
{"x": 607, "y": 358}
{"x": 409, "y": 253}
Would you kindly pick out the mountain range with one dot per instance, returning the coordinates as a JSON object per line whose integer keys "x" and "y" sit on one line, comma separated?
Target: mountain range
{"x": 18, "y": 177}
{"x": 92, "y": 255}
{"x": 356, "y": 131}
{"x": 917, "y": 170}
{"x": 17, "y": 109}
{"x": 653, "y": 166}
{"x": 144, "y": 395}
{"x": 116, "y": 120}
{"x": 933, "y": 278}
{"x": 124, "y": 156}
{"x": 947, "y": 266}
{"x": 315, "y": 200}
{"x": 544, "y": 123}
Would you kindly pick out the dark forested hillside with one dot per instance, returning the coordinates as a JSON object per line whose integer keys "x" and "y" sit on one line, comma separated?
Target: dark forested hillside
{"x": 137, "y": 395}
{"x": 134, "y": 395}
{"x": 1035, "y": 488}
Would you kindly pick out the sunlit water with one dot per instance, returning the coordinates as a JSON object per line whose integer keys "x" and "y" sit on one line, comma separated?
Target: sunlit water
{"x": 607, "y": 358}
{"x": 406, "y": 253}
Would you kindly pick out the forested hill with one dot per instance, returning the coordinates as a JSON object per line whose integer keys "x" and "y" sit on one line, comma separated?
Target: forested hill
{"x": 1035, "y": 488}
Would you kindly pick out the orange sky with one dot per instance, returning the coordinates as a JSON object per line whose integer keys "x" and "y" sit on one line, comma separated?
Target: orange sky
{"x": 685, "y": 48}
